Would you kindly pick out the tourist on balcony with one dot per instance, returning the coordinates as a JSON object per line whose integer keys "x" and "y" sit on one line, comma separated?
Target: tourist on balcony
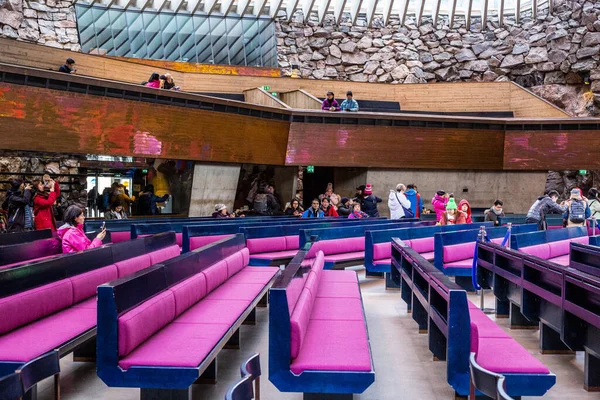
{"x": 465, "y": 207}
{"x": 154, "y": 81}
{"x": 42, "y": 205}
{"x": 68, "y": 67}
{"x": 330, "y": 104}
{"x": 349, "y": 104}
{"x": 168, "y": 82}
{"x": 314, "y": 211}
{"x": 17, "y": 197}
{"x": 369, "y": 203}
{"x": 439, "y": 202}
{"x": 72, "y": 235}
{"x": 399, "y": 204}
{"x": 493, "y": 213}
{"x": 328, "y": 209}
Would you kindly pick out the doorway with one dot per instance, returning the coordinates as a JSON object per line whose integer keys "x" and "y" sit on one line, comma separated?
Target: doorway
{"x": 315, "y": 183}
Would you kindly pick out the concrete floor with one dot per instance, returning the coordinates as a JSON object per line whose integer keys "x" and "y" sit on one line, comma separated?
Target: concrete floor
{"x": 404, "y": 366}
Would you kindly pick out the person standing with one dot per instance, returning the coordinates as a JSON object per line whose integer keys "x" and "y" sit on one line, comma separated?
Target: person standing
{"x": 68, "y": 67}
{"x": 370, "y": 201}
{"x": 330, "y": 104}
{"x": 465, "y": 207}
{"x": 398, "y": 203}
{"x": 17, "y": 198}
{"x": 594, "y": 203}
{"x": 349, "y": 104}
{"x": 416, "y": 202}
{"x": 147, "y": 201}
{"x": 494, "y": 212}
{"x": 359, "y": 196}
{"x": 314, "y": 211}
{"x": 439, "y": 202}
{"x": 42, "y": 205}
{"x": 542, "y": 206}
{"x": 578, "y": 209}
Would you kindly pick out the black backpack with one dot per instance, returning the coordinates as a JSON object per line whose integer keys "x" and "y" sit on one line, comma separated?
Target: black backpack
{"x": 577, "y": 211}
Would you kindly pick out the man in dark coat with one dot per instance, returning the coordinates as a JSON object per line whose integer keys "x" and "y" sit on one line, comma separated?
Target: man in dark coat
{"x": 17, "y": 198}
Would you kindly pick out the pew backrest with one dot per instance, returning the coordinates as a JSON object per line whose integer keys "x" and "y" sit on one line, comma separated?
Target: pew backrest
{"x": 7, "y": 239}
{"x": 521, "y": 240}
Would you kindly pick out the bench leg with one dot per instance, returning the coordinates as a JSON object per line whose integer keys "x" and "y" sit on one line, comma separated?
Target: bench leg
{"x": 550, "y": 342}
{"x": 419, "y": 314}
{"x": 502, "y": 308}
{"x": 251, "y": 318}
{"x": 465, "y": 282}
{"x": 209, "y": 375}
{"x": 437, "y": 343}
{"x": 518, "y": 320}
{"x": 406, "y": 295}
{"x": 86, "y": 352}
{"x": 234, "y": 340}
{"x": 328, "y": 396}
{"x": 166, "y": 394}
{"x": 373, "y": 274}
{"x": 591, "y": 370}
{"x": 31, "y": 394}
{"x": 264, "y": 301}
{"x": 390, "y": 282}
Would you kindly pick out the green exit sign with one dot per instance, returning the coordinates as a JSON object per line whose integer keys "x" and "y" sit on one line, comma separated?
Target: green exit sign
{"x": 583, "y": 171}
{"x": 144, "y": 171}
{"x": 266, "y": 88}
{"x": 310, "y": 169}
{"x": 274, "y": 94}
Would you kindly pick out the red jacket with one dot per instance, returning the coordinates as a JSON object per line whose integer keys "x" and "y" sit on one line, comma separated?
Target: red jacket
{"x": 42, "y": 211}
{"x": 469, "y": 219}
{"x": 460, "y": 218}
{"x": 331, "y": 212}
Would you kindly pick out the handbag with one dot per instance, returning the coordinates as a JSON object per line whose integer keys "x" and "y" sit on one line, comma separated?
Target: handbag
{"x": 408, "y": 212}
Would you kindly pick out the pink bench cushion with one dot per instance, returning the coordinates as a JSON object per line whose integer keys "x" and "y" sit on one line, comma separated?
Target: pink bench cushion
{"x": 234, "y": 291}
{"x": 539, "y": 250}
{"x": 505, "y": 356}
{"x": 334, "y": 346}
{"x": 292, "y": 242}
{"x": 266, "y": 245}
{"x": 177, "y": 345}
{"x": 84, "y": 285}
{"x": 339, "y": 289}
{"x": 429, "y": 255}
{"x": 275, "y": 255}
{"x": 139, "y": 324}
{"x": 337, "y": 246}
{"x": 235, "y": 263}
{"x": 200, "y": 241}
{"x": 215, "y": 312}
{"x": 23, "y": 308}
{"x": 215, "y": 275}
{"x": 382, "y": 251}
{"x": 337, "y": 309}
{"x": 355, "y": 255}
{"x": 132, "y": 265}
{"x": 263, "y": 277}
{"x": 89, "y": 303}
{"x": 385, "y": 261}
{"x": 189, "y": 292}
{"x": 339, "y": 276}
{"x": 299, "y": 321}
{"x": 117, "y": 237}
{"x": 457, "y": 252}
{"x": 468, "y": 263}
{"x": 48, "y": 333}
{"x": 562, "y": 260}
{"x": 422, "y": 245}
{"x": 161, "y": 255}
{"x": 485, "y": 326}
{"x": 293, "y": 291}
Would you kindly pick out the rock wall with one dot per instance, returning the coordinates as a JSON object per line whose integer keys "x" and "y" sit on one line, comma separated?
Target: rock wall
{"x": 554, "y": 49}
{"x": 564, "y": 181}
{"x": 48, "y": 22}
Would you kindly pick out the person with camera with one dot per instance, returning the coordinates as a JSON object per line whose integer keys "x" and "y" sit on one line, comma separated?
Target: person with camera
{"x": 43, "y": 200}
{"x": 17, "y": 198}
{"x": 72, "y": 235}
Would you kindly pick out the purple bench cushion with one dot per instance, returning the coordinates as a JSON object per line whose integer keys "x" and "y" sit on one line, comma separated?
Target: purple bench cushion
{"x": 161, "y": 255}
{"x": 337, "y": 246}
{"x": 91, "y": 303}
{"x": 292, "y": 242}
{"x": 474, "y": 338}
{"x": 429, "y": 255}
{"x": 48, "y": 333}
{"x": 334, "y": 346}
{"x": 355, "y": 255}
{"x": 293, "y": 290}
{"x": 422, "y": 245}
{"x": 266, "y": 245}
{"x": 457, "y": 252}
{"x": 117, "y": 237}
{"x": 84, "y": 285}
{"x": 214, "y": 311}
{"x": 23, "y": 308}
{"x": 143, "y": 321}
{"x": 505, "y": 356}
{"x": 385, "y": 261}
{"x": 562, "y": 260}
{"x": 263, "y": 277}
{"x": 234, "y": 291}
{"x": 177, "y": 345}
{"x": 235, "y": 263}
{"x": 468, "y": 263}
{"x": 189, "y": 292}
{"x": 200, "y": 241}
{"x": 299, "y": 321}
{"x": 485, "y": 326}
{"x": 339, "y": 289}
{"x": 382, "y": 251}
{"x": 132, "y": 265}
{"x": 539, "y": 250}
{"x": 339, "y": 276}
{"x": 215, "y": 275}
{"x": 275, "y": 255}
{"x": 337, "y": 309}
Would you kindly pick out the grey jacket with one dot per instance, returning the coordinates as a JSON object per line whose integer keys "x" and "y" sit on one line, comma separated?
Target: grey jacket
{"x": 542, "y": 206}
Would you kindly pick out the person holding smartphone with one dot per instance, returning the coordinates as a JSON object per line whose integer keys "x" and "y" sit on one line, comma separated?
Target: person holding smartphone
{"x": 72, "y": 235}
{"x": 17, "y": 198}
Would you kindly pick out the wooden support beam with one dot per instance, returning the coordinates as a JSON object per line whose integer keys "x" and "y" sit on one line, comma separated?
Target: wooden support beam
{"x": 420, "y": 11}
{"x": 501, "y": 13}
{"x": 484, "y": 14}
{"x": 404, "y": 11}
{"x": 468, "y": 14}
{"x": 518, "y": 11}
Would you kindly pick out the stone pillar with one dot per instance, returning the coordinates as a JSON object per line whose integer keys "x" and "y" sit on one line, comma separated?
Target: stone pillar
{"x": 285, "y": 183}
{"x": 212, "y": 184}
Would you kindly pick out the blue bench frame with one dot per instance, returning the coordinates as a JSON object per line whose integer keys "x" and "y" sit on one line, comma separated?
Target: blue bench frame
{"x": 551, "y": 295}
{"x": 521, "y": 240}
{"x": 440, "y": 307}
{"x": 339, "y": 382}
{"x": 117, "y": 297}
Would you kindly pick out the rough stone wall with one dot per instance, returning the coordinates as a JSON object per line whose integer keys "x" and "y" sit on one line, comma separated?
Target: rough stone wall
{"x": 564, "y": 181}
{"x": 48, "y": 22}
{"x": 554, "y": 49}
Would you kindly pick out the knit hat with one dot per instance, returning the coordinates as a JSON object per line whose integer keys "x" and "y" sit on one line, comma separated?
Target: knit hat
{"x": 220, "y": 207}
{"x": 344, "y": 200}
{"x": 576, "y": 193}
{"x": 451, "y": 205}
{"x": 368, "y": 189}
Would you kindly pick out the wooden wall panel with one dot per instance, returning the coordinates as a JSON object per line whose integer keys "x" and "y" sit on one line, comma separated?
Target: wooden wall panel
{"x": 48, "y": 120}
{"x": 551, "y": 150}
{"x": 442, "y": 97}
{"x": 300, "y": 100}
{"x": 262, "y": 98}
{"x": 394, "y": 147}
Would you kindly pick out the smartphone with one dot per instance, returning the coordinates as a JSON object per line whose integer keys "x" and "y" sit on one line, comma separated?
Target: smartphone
{"x": 103, "y": 226}
{"x": 288, "y": 205}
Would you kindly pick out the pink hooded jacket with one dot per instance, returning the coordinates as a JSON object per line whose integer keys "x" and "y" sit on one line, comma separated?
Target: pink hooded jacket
{"x": 439, "y": 205}
{"x": 74, "y": 239}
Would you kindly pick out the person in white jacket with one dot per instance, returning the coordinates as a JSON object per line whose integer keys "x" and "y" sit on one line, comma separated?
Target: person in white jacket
{"x": 397, "y": 201}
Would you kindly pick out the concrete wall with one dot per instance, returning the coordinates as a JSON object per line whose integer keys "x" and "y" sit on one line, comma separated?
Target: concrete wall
{"x": 518, "y": 190}
{"x": 212, "y": 184}
{"x": 348, "y": 179}
{"x": 285, "y": 183}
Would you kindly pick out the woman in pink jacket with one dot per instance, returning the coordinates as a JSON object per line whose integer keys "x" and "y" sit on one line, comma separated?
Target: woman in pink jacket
{"x": 439, "y": 202}
{"x": 72, "y": 235}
